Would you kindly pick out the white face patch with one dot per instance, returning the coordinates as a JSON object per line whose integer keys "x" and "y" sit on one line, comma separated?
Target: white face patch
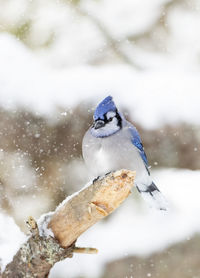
{"x": 110, "y": 114}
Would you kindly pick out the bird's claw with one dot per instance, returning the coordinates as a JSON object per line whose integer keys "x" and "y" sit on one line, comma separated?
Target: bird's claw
{"x": 96, "y": 179}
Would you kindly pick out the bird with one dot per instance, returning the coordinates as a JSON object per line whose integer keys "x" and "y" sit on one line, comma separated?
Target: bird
{"x": 113, "y": 143}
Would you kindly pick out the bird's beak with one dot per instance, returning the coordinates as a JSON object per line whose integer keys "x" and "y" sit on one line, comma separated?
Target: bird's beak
{"x": 98, "y": 124}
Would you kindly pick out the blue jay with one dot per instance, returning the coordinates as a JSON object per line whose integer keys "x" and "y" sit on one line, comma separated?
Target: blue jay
{"x": 113, "y": 143}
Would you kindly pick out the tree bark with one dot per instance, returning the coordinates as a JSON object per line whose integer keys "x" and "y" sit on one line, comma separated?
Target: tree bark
{"x": 53, "y": 239}
{"x": 36, "y": 257}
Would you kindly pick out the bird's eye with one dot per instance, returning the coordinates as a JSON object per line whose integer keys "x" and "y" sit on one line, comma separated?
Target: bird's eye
{"x": 110, "y": 115}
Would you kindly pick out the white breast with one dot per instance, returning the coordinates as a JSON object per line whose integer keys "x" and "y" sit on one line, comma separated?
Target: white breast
{"x": 98, "y": 158}
{"x": 103, "y": 163}
{"x": 103, "y": 155}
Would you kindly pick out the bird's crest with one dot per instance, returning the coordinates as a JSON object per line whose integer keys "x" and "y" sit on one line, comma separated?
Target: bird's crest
{"x": 104, "y": 106}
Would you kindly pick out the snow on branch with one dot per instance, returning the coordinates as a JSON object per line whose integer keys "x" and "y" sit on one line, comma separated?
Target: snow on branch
{"x": 53, "y": 238}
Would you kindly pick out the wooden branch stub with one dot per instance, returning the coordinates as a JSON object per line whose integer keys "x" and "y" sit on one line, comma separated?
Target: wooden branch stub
{"x": 90, "y": 205}
{"x": 32, "y": 225}
{"x": 40, "y": 252}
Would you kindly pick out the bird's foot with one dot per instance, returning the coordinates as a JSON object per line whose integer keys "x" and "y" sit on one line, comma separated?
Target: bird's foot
{"x": 96, "y": 179}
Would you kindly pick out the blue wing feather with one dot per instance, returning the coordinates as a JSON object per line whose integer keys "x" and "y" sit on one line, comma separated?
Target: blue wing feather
{"x": 136, "y": 140}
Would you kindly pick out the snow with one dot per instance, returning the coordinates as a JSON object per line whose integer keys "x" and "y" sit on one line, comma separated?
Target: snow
{"x": 26, "y": 81}
{"x": 43, "y": 222}
{"x": 142, "y": 12}
{"x": 11, "y": 239}
{"x": 134, "y": 229}
{"x": 22, "y": 174}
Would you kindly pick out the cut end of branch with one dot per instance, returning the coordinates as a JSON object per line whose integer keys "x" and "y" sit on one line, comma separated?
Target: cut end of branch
{"x": 90, "y": 205}
{"x": 85, "y": 250}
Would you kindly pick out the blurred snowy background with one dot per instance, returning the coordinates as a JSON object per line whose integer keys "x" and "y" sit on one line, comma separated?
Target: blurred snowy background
{"x": 58, "y": 59}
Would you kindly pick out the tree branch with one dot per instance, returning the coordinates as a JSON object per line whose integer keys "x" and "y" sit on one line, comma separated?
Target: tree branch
{"x": 72, "y": 217}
